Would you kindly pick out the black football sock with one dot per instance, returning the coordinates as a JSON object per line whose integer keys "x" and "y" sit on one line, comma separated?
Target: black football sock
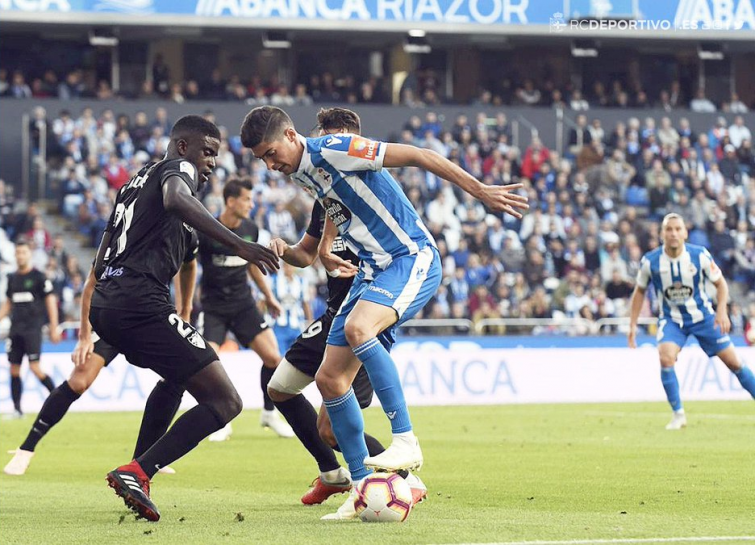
{"x": 53, "y": 410}
{"x": 47, "y": 382}
{"x": 374, "y": 447}
{"x": 302, "y": 418}
{"x": 265, "y": 375}
{"x": 162, "y": 405}
{"x": 184, "y": 435}
{"x": 15, "y": 392}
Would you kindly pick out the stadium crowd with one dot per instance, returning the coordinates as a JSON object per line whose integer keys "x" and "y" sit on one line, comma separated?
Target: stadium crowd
{"x": 420, "y": 89}
{"x": 595, "y": 210}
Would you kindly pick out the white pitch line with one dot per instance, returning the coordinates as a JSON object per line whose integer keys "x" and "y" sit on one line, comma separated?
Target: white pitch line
{"x": 716, "y": 539}
{"x": 700, "y": 416}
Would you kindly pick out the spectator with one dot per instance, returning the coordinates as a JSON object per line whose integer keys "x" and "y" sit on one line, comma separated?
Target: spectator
{"x": 701, "y": 104}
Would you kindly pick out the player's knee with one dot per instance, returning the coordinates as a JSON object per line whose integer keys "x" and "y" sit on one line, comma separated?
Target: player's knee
{"x": 79, "y": 383}
{"x": 235, "y": 405}
{"x": 668, "y": 360}
{"x": 357, "y": 332}
{"x": 170, "y": 389}
{"x": 276, "y": 396}
{"x": 15, "y": 370}
{"x": 331, "y": 386}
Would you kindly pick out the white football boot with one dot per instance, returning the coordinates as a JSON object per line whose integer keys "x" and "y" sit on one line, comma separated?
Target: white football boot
{"x": 274, "y": 421}
{"x": 678, "y": 421}
{"x": 223, "y": 434}
{"x": 19, "y": 463}
{"x": 404, "y": 453}
{"x": 347, "y": 511}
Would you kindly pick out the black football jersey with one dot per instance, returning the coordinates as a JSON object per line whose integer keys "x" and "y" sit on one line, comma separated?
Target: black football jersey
{"x": 148, "y": 244}
{"x": 27, "y": 294}
{"x": 224, "y": 274}
{"x": 338, "y": 288}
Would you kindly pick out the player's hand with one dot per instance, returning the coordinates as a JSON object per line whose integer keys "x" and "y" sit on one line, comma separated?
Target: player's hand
{"x": 632, "y": 337}
{"x": 273, "y": 306}
{"x": 722, "y": 321}
{"x": 81, "y": 352}
{"x": 54, "y": 335}
{"x": 500, "y": 198}
{"x": 256, "y": 254}
{"x": 279, "y": 246}
{"x": 337, "y": 267}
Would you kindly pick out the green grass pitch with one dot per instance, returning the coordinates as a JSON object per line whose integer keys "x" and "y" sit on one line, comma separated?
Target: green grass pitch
{"x": 495, "y": 474}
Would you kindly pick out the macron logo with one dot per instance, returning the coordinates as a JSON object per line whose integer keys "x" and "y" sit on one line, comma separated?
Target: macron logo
{"x": 382, "y": 291}
{"x": 391, "y": 414}
{"x": 333, "y": 141}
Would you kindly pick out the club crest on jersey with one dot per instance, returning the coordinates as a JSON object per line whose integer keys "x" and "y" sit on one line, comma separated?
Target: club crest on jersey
{"x": 322, "y": 173}
{"x": 196, "y": 339}
{"x": 363, "y": 148}
{"x": 337, "y": 212}
{"x": 678, "y": 293}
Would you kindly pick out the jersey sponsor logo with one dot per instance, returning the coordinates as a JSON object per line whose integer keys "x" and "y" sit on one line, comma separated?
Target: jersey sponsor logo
{"x": 337, "y": 212}
{"x": 381, "y": 291}
{"x": 188, "y": 168}
{"x": 678, "y": 293}
{"x": 363, "y": 148}
{"x": 22, "y": 297}
{"x": 339, "y": 245}
{"x": 111, "y": 272}
{"x": 228, "y": 261}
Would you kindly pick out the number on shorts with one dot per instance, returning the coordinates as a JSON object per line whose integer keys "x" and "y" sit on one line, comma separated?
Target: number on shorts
{"x": 183, "y": 329}
{"x": 313, "y": 330}
{"x": 659, "y": 335}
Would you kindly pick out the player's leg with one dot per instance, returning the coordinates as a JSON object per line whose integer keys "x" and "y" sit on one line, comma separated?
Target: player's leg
{"x": 395, "y": 296}
{"x": 159, "y": 411}
{"x": 54, "y": 409}
{"x": 16, "y": 350}
{"x": 743, "y": 373}
{"x": 214, "y": 328}
{"x": 265, "y": 345}
{"x": 285, "y": 389}
{"x": 33, "y": 351}
{"x": 334, "y": 380}
{"x": 671, "y": 339}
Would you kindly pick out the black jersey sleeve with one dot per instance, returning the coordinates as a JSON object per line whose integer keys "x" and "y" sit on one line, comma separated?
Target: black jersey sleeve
{"x": 184, "y": 170}
{"x": 316, "y": 221}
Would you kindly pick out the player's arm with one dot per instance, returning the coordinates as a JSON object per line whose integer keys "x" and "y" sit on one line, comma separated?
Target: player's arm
{"x": 334, "y": 265}
{"x": 51, "y": 303}
{"x": 184, "y": 283}
{"x": 635, "y": 306}
{"x": 638, "y": 298}
{"x": 178, "y": 200}
{"x": 302, "y": 254}
{"x": 495, "y": 197}
{"x": 722, "y": 313}
{"x": 85, "y": 345}
{"x": 273, "y": 305}
{"x": 5, "y": 309}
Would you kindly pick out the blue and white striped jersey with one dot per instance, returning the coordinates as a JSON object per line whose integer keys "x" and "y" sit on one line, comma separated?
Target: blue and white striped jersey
{"x": 680, "y": 283}
{"x": 345, "y": 174}
{"x": 291, "y": 293}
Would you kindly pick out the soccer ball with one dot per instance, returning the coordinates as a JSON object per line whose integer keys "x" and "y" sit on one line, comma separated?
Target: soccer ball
{"x": 383, "y": 497}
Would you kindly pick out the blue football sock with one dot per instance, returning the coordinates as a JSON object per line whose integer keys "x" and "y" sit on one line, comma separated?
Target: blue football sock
{"x": 671, "y": 385}
{"x": 348, "y": 427}
{"x": 746, "y": 379}
{"x": 384, "y": 378}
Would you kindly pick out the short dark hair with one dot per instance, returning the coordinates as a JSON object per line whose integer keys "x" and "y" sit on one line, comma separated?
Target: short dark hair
{"x": 339, "y": 118}
{"x": 23, "y": 241}
{"x": 194, "y": 125}
{"x": 264, "y": 124}
{"x": 234, "y": 186}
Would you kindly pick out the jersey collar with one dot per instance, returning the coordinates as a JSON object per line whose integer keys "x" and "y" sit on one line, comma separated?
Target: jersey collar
{"x": 306, "y": 160}
{"x": 681, "y": 255}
